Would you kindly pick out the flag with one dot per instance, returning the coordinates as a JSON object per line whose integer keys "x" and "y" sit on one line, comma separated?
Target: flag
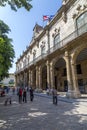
{"x": 51, "y": 17}
{"x": 47, "y": 17}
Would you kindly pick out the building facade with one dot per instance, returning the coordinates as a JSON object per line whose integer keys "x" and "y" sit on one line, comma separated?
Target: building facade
{"x": 57, "y": 54}
{"x": 9, "y": 81}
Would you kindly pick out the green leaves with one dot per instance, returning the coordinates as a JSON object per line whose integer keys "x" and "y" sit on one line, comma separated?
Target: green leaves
{"x": 3, "y": 28}
{"x": 16, "y": 4}
{"x": 7, "y": 53}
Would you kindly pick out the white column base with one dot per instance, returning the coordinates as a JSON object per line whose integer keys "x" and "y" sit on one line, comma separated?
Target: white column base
{"x": 73, "y": 94}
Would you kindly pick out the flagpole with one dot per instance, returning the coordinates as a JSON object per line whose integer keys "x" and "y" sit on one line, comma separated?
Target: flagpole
{"x": 43, "y": 23}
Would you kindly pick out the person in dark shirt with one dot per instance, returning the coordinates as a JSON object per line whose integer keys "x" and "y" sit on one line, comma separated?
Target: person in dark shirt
{"x": 31, "y": 94}
{"x": 20, "y": 95}
{"x": 54, "y": 96}
{"x": 24, "y": 95}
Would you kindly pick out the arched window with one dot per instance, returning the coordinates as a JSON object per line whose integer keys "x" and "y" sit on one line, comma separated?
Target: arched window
{"x": 82, "y": 19}
{"x": 28, "y": 58}
{"x": 34, "y": 54}
{"x": 43, "y": 50}
{"x": 56, "y": 39}
{"x": 81, "y": 23}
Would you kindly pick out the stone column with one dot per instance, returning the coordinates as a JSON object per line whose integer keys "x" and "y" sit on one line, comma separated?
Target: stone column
{"x": 69, "y": 76}
{"x": 40, "y": 78}
{"x": 75, "y": 83}
{"x": 48, "y": 74}
{"x": 29, "y": 78}
{"x": 52, "y": 75}
{"x": 37, "y": 77}
{"x": 24, "y": 79}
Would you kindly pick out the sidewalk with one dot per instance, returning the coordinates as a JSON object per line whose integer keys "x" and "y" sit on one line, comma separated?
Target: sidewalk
{"x": 63, "y": 98}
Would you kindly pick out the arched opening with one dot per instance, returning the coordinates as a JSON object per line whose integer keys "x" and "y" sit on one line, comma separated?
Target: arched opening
{"x": 81, "y": 67}
{"x": 60, "y": 75}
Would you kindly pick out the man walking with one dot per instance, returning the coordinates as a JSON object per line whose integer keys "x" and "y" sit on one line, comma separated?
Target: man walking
{"x": 54, "y": 96}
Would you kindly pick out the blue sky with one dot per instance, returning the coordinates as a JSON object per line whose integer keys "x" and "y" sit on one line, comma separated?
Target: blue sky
{"x": 22, "y": 22}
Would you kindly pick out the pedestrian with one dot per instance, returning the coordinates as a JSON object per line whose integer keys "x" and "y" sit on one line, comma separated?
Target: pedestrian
{"x": 13, "y": 89}
{"x": 31, "y": 94}
{"x": 54, "y": 92}
{"x": 24, "y": 95}
{"x": 8, "y": 99}
{"x": 20, "y": 95}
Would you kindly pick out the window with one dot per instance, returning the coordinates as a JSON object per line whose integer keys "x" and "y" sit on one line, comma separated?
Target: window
{"x": 43, "y": 50}
{"x": 82, "y": 20}
{"x": 20, "y": 65}
{"x": 28, "y": 58}
{"x": 34, "y": 56}
{"x": 78, "y": 67}
{"x": 56, "y": 39}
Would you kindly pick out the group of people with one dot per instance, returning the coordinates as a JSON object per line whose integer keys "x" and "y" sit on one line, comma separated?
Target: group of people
{"x": 22, "y": 94}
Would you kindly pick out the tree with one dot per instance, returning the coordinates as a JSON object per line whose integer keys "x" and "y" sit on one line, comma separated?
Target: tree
{"x": 16, "y": 4}
{"x": 7, "y": 53}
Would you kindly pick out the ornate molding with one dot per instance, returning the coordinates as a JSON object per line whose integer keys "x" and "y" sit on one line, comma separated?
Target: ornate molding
{"x": 56, "y": 31}
{"x": 64, "y": 16}
{"x": 43, "y": 44}
{"x": 34, "y": 52}
{"x": 79, "y": 10}
{"x": 79, "y": 7}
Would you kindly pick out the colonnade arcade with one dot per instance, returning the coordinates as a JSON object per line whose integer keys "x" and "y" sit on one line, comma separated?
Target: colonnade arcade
{"x": 67, "y": 72}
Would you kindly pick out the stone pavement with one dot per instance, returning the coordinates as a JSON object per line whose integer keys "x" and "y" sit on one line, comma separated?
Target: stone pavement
{"x": 41, "y": 114}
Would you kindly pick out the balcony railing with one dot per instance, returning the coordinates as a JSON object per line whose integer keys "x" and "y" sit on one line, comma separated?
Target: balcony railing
{"x": 60, "y": 44}
{"x": 69, "y": 38}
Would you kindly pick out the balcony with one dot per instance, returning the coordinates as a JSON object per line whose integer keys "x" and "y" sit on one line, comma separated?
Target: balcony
{"x": 78, "y": 32}
{"x": 69, "y": 38}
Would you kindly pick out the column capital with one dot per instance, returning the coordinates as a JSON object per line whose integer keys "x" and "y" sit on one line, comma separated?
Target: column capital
{"x": 47, "y": 62}
{"x": 51, "y": 66}
{"x": 67, "y": 54}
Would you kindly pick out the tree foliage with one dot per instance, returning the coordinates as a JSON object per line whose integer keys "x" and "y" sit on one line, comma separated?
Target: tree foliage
{"x": 16, "y": 4}
{"x": 7, "y": 53}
